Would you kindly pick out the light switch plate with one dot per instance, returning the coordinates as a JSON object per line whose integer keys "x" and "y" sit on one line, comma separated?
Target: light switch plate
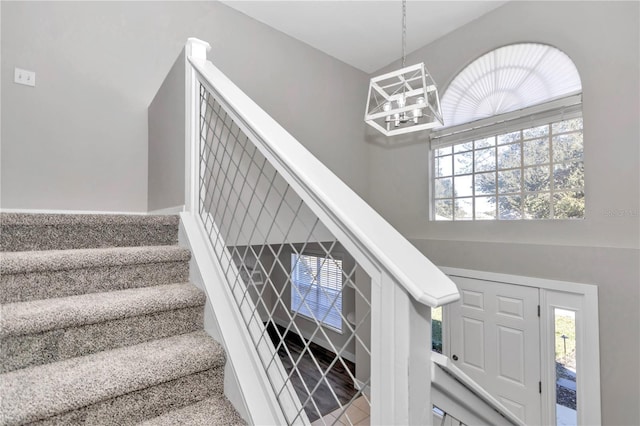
{"x": 26, "y": 77}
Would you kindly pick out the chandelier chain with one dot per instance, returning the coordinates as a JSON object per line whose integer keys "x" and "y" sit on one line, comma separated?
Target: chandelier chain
{"x": 404, "y": 31}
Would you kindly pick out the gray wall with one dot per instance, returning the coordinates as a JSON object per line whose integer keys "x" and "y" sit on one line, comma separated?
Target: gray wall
{"x": 602, "y": 38}
{"x": 166, "y": 118}
{"x": 78, "y": 140}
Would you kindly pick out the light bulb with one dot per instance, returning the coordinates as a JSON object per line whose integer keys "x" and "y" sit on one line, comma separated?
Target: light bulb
{"x": 417, "y": 113}
{"x": 387, "y": 107}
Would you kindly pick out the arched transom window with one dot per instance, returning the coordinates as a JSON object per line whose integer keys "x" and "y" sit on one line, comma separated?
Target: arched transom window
{"x": 512, "y": 147}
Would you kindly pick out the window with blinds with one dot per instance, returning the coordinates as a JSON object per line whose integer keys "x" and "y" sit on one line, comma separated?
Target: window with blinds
{"x": 513, "y": 146}
{"x": 316, "y": 289}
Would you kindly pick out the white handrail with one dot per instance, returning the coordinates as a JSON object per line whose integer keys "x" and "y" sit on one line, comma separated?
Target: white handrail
{"x": 445, "y": 364}
{"x": 368, "y": 233}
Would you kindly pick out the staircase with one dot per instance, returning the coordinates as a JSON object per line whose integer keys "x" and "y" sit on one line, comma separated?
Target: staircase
{"x": 99, "y": 325}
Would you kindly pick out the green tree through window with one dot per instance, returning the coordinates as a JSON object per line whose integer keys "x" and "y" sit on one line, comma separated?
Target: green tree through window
{"x": 533, "y": 173}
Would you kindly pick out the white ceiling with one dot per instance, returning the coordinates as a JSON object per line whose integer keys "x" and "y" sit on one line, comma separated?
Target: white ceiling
{"x": 364, "y": 34}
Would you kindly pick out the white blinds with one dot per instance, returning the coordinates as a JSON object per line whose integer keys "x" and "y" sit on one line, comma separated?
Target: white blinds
{"x": 316, "y": 290}
{"x": 508, "y": 79}
{"x": 549, "y": 112}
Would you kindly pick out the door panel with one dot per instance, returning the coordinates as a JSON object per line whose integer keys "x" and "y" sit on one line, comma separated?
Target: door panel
{"x": 495, "y": 336}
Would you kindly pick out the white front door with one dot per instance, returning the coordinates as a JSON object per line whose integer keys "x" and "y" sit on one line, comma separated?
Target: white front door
{"x": 495, "y": 339}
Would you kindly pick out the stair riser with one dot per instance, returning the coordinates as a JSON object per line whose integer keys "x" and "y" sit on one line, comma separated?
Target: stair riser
{"x": 35, "y": 349}
{"x": 43, "y": 285}
{"x": 63, "y": 237}
{"x": 146, "y": 403}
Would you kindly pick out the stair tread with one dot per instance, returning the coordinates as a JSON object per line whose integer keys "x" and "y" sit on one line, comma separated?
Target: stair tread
{"x": 58, "y": 260}
{"x": 56, "y": 219}
{"x": 37, "y": 316}
{"x": 42, "y": 391}
{"x": 216, "y": 410}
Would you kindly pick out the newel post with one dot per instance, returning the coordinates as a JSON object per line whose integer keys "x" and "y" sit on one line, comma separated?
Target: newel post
{"x": 400, "y": 356}
{"x": 195, "y": 49}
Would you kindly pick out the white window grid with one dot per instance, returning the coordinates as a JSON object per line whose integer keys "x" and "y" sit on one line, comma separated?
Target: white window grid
{"x": 520, "y": 138}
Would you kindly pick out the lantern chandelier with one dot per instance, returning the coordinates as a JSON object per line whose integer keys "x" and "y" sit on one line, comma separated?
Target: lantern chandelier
{"x": 405, "y": 100}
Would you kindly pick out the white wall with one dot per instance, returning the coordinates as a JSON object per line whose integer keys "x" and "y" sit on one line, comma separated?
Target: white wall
{"x": 602, "y": 38}
{"x": 78, "y": 140}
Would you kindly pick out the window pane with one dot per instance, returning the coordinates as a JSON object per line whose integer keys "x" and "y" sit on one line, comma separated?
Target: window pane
{"x": 568, "y": 176}
{"x": 485, "y": 160}
{"x": 485, "y": 208}
{"x": 566, "y": 372}
{"x": 463, "y": 163}
{"x": 463, "y": 186}
{"x": 508, "y": 138}
{"x": 537, "y": 206}
{"x": 316, "y": 289}
{"x": 509, "y": 181}
{"x": 568, "y": 205}
{"x": 444, "y": 210}
{"x": 444, "y": 188}
{"x": 436, "y": 329}
{"x": 527, "y": 174}
{"x": 468, "y": 146}
{"x": 443, "y": 151}
{"x": 536, "y": 179}
{"x": 444, "y": 166}
{"x": 509, "y": 207}
{"x": 568, "y": 147}
{"x": 464, "y": 209}
{"x": 485, "y": 183}
{"x": 535, "y": 132}
{"x": 567, "y": 125}
{"x": 509, "y": 156}
{"x": 536, "y": 152}
{"x": 485, "y": 143}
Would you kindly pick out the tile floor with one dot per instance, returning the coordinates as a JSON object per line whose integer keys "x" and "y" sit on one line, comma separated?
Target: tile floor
{"x": 357, "y": 415}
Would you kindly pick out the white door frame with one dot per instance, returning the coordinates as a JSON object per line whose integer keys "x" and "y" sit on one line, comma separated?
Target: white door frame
{"x": 581, "y": 298}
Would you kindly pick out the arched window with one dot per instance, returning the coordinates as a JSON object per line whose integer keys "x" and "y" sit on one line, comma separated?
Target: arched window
{"x": 512, "y": 147}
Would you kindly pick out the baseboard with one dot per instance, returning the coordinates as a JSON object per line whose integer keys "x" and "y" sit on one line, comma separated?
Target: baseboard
{"x": 169, "y": 210}
{"x": 53, "y": 211}
{"x": 318, "y": 341}
{"x": 359, "y": 384}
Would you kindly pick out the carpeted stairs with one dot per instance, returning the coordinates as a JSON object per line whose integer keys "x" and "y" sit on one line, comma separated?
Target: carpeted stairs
{"x": 99, "y": 325}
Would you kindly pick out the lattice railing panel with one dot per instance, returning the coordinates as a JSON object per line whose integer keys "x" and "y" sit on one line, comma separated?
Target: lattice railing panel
{"x": 308, "y": 331}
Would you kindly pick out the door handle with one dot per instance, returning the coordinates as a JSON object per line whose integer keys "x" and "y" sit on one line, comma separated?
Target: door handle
{"x": 455, "y": 357}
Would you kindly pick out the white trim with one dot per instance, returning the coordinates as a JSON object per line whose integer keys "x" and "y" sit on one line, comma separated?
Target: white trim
{"x": 258, "y": 395}
{"x": 61, "y": 211}
{"x": 543, "y": 283}
{"x": 587, "y": 359}
{"x": 556, "y": 110}
{"x": 442, "y": 362}
{"x": 587, "y": 337}
{"x": 169, "y": 210}
{"x": 194, "y": 48}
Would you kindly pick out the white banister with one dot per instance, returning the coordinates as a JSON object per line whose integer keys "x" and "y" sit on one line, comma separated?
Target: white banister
{"x": 373, "y": 240}
{"x": 197, "y": 49}
{"x": 404, "y": 284}
{"x": 400, "y": 363}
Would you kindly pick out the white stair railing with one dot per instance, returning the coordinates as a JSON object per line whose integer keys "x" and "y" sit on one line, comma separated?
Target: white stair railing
{"x": 260, "y": 202}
